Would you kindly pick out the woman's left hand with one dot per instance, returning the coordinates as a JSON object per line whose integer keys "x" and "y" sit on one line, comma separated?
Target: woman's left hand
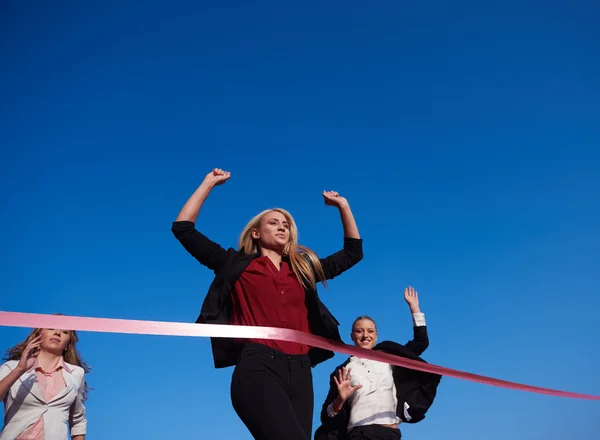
{"x": 332, "y": 198}
{"x": 412, "y": 299}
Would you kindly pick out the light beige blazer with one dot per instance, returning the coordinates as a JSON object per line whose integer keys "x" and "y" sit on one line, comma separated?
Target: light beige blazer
{"x": 24, "y": 405}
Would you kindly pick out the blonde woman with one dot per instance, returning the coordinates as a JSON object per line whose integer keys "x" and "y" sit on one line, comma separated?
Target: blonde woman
{"x": 270, "y": 280}
{"x": 43, "y": 388}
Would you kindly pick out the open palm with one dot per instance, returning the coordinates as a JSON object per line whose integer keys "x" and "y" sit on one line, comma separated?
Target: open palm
{"x": 344, "y": 386}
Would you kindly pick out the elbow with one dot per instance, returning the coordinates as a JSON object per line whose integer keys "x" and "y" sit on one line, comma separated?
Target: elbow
{"x": 423, "y": 345}
{"x": 79, "y": 427}
{"x": 354, "y": 248}
{"x": 180, "y": 228}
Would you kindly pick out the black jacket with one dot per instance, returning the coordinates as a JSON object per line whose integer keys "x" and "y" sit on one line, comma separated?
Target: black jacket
{"x": 229, "y": 264}
{"x": 416, "y": 388}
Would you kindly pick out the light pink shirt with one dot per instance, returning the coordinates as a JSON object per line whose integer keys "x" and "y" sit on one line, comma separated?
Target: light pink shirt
{"x": 49, "y": 384}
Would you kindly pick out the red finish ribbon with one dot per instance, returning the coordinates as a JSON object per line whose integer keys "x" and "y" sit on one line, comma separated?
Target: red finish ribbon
{"x": 107, "y": 325}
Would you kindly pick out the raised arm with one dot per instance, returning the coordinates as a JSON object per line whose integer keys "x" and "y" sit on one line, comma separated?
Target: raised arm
{"x": 420, "y": 340}
{"x": 332, "y": 198}
{"x": 8, "y": 376}
{"x": 352, "y": 252}
{"x": 207, "y": 252}
{"x": 190, "y": 210}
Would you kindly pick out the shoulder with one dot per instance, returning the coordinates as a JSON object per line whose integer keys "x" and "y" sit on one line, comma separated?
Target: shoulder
{"x": 390, "y": 347}
{"x": 6, "y": 368}
{"x": 9, "y": 364}
{"x": 76, "y": 370}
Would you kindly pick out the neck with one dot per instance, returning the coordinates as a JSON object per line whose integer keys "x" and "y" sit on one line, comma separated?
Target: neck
{"x": 48, "y": 360}
{"x": 274, "y": 256}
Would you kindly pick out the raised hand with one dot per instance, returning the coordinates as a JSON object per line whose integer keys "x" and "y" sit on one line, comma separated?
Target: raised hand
{"x": 345, "y": 388}
{"x": 332, "y": 198}
{"x": 217, "y": 177}
{"x": 412, "y": 299}
{"x": 30, "y": 354}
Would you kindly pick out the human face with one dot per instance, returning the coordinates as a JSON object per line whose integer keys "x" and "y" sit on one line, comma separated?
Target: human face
{"x": 273, "y": 232}
{"x": 55, "y": 340}
{"x": 364, "y": 334}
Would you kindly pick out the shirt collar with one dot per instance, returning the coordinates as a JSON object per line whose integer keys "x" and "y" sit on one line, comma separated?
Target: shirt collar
{"x": 61, "y": 364}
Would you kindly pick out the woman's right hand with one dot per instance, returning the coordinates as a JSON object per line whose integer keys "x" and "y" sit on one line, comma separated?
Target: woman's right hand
{"x": 217, "y": 177}
{"x": 344, "y": 386}
{"x": 29, "y": 355}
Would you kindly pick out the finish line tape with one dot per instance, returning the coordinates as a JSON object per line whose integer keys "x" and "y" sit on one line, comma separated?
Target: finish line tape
{"x": 108, "y": 325}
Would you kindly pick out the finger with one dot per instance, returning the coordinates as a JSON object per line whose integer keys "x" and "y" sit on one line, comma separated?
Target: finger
{"x": 32, "y": 344}
{"x": 357, "y": 387}
{"x": 338, "y": 383}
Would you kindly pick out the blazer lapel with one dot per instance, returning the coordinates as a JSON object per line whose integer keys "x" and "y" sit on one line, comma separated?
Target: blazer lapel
{"x": 68, "y": 377}
{"x": 28, "y": 380}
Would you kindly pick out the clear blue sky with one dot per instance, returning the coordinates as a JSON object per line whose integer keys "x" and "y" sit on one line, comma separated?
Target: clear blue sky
{"x": 466, "y": 138}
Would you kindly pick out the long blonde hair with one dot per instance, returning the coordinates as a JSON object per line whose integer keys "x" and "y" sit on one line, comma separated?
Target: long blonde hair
{"x": 305, "y": 263}
{"x": 71, "y": 354}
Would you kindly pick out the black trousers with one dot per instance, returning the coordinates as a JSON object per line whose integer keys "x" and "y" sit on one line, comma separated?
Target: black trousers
{"x": 272, "y": 393}
{"x": 374, "y": 432}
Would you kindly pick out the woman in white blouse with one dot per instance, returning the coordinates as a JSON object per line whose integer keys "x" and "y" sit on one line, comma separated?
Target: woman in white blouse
{"x": 43, "y": 388}
{"x": 368, "y": 399}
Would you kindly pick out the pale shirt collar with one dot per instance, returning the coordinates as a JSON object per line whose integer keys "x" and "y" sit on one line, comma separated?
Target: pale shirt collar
{"x": 61, "y": 364}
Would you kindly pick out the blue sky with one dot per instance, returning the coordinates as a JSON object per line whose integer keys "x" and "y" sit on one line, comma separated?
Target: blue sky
{"x": 464, "y": 135}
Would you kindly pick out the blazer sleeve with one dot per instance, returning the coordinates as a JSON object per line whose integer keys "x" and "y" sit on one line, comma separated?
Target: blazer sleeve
{"x": 207, "y": 252}
{"x": 420, "y": 340}
{"x": 77, "y": 412}
{"x": 4, "y": 371}
{"x": 344, "y": 259}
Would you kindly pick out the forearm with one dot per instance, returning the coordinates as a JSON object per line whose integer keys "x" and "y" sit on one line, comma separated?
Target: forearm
{"x": 78, "y": 437}
{"x": 348, "y": 222}
{"x": 9, "y": 381}
{"x": 190, "y": 210}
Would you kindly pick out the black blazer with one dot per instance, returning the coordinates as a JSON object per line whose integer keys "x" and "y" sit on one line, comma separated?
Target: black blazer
{"x": 229, "y": 264}
{"x": 416, "y": 388}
